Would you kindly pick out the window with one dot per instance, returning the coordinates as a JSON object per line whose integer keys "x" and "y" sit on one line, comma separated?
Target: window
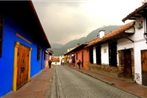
{"x": 38, "y": 53}
{"x": 1, "y": 31}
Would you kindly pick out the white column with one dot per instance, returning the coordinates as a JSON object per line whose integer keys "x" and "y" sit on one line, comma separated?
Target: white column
{"x": 94, "y": 55}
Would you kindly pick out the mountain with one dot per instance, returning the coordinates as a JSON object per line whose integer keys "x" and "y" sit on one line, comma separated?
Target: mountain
{"x": 107, "y": 29}
{"x": 56, "y": 45}
{"x": 61, "y": 49}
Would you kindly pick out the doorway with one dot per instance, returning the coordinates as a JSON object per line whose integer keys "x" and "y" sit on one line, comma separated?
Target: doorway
{"x": 21, "y": 65}
{"x": 144, "y": 66}
{"x": 127, "y": 62}
{"x": 113, "y": 53}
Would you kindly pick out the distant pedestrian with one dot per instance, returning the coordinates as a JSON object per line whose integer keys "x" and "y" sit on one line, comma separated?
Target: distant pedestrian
{"x": 79, "y": 63}
{"x": 49, "y": 63}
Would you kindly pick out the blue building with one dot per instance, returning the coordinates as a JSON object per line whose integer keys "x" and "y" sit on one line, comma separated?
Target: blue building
{"x": 22, "y": 45}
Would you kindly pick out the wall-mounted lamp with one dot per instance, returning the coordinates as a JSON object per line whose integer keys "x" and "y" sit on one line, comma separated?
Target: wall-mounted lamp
{"x": 145, "y": 36}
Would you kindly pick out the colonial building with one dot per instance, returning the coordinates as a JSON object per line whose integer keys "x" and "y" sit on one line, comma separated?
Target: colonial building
{"x": 79, "y": 53}
{"x": 138, "y": 50}
{"x": 22, "y": 45}
{"x": 125, "y": 47}
{"x": 104, "y": 49}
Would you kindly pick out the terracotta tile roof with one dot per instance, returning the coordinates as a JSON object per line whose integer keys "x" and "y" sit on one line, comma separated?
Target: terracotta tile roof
{"x": 111, "y": 35}
{"x": 108, "y": 36}
{"x": 79, "y": 47}
{"x": 137, "y": 13}
{"x": 93, "y": 41}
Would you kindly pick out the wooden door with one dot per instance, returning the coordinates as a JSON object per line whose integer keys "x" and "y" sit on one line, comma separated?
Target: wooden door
{"x": 22, "y": 65}
{"x": 144, "y": 67}
{"x": 127, "y": 63}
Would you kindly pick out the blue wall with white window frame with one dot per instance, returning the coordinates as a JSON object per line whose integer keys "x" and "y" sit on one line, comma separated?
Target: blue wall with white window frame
{"x": 7, "y": 59}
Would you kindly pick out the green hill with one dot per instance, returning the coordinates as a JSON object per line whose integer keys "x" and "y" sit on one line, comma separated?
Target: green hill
{"x": 61, "y": 49}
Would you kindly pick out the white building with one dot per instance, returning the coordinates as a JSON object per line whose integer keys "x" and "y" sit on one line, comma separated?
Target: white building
{"x": 104, "y": 49}
{"x": 125, "y": 46}
{"x": 139, "y": 45}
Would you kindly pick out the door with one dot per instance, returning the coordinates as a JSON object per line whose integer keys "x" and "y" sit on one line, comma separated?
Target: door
{"x": 127, "y": 63}
{"x": 144, "y": 66}
{"x": 22, "y": 65}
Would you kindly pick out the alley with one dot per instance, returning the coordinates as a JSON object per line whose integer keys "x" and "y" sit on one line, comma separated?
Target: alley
{"x": 69, "y": 83}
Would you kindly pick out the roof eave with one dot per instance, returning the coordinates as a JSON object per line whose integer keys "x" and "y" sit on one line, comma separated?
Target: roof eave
{"x": 136, "y": 13}
{"x": 76, "y": 49}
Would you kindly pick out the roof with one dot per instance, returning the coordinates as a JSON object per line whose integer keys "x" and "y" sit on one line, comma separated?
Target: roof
{"x": 139, "y": 12}
{"x": 76, "y": 49}
{"x": 93, "y": 41}
{"x": 117, "y": 33}
{"x": 23, "y": 13}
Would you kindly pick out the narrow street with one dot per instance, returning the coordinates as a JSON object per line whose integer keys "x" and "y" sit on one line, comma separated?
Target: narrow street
{"x": 69, "y": 83}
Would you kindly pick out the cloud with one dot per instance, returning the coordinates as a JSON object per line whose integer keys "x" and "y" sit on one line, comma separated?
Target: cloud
{"x": 62, "y": 21}
{"x": 65, "y": 20}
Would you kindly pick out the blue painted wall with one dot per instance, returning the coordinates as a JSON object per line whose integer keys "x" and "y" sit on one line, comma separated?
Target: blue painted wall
{"x": 6, "y": 61}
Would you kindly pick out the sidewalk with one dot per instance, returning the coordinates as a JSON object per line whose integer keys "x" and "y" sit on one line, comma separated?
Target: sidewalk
{"x": 38, "y": 87}
{"x": 128, "y": 86}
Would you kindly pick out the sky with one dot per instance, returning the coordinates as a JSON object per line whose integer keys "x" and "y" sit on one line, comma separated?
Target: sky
{"x": 65, "y": 20}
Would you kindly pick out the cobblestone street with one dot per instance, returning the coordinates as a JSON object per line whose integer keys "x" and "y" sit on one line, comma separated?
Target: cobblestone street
{"x": 69, "y": 83}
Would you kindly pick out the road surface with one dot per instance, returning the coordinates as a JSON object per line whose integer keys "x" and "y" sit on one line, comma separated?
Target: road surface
{"x": 69, "y": 83}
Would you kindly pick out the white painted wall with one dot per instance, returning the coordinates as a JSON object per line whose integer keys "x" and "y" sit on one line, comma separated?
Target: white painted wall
{"x": 124, "y": 44}
{"x": 140, "y": 44}
{"x": 94, "y": 55}
{"x": 137, "y": 56}
{"x": 104, "y": 54}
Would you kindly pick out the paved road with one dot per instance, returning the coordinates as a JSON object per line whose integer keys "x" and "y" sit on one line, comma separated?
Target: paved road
{"x": 69, "y": 83}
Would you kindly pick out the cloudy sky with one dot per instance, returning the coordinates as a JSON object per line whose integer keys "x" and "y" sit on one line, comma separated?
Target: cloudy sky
{"x": 65, "y": 20}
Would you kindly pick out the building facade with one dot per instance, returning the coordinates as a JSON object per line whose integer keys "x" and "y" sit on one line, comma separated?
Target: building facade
{"x": 22, "y": 45}
{"x": 140, "y": 46}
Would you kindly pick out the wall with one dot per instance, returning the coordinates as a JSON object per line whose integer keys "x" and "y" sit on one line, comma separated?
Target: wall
{"x": 6, "y": 61}
{"x": 86, "y": 58}
{"x": 124, "y": 44}
{"x": 79, "y": 55}
{"x": 104, "y": 54}
{"x": 140, "y": 44}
